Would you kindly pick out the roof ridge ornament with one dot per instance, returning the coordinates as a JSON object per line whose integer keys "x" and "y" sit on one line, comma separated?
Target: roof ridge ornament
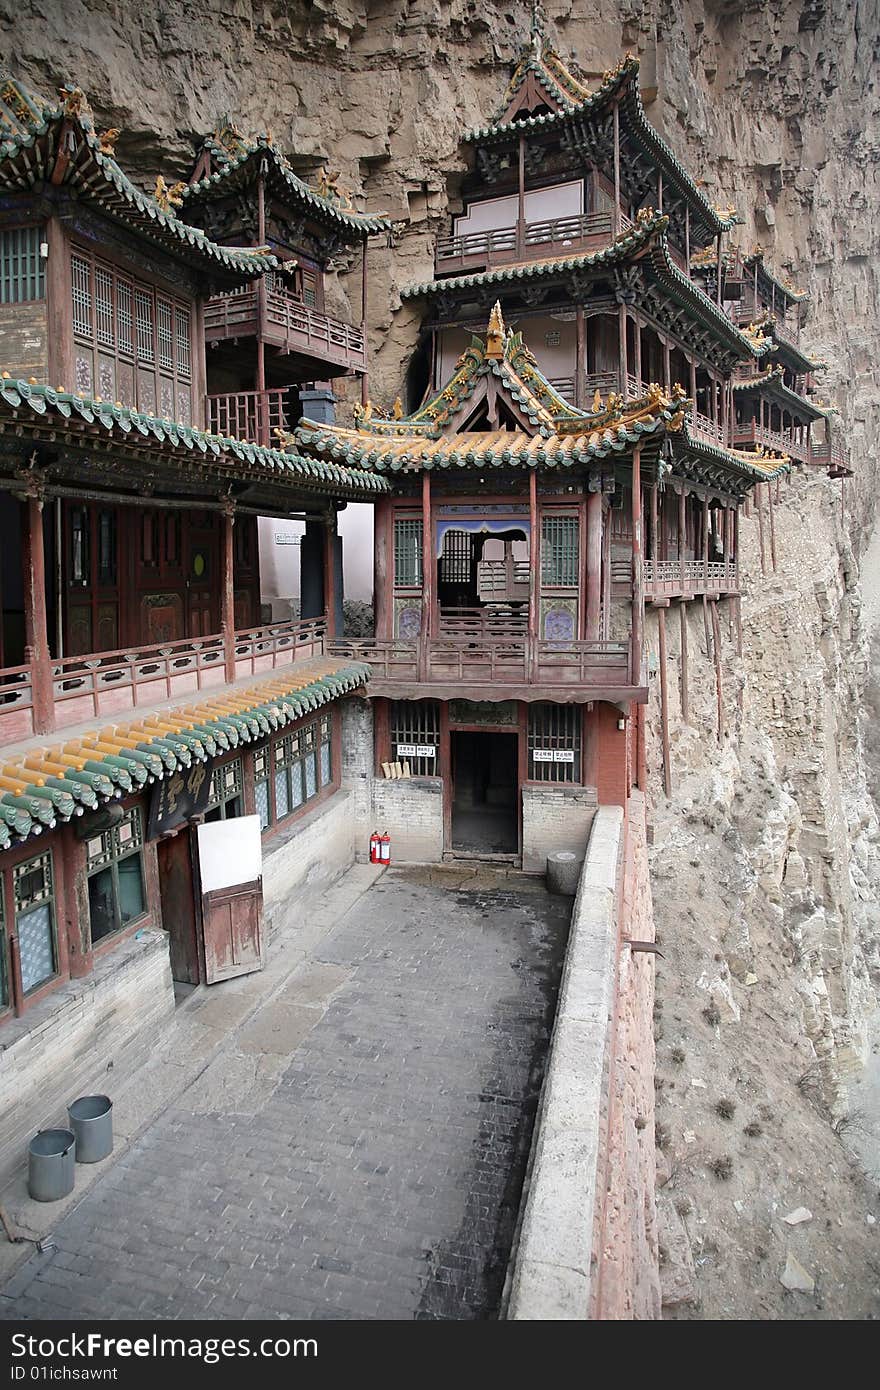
{"x": 496, "y": 333}
{"x": 536, "y": 28}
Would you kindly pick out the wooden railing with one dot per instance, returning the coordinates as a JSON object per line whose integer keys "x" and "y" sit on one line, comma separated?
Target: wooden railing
{"x": 676, "y": 578}
{"x": 502, "y": 580}
{"x": 477, "y": 660}
{"x": 500, "y": 621}
{"x": 250, "y": 415}
{"x": 526, "y": 241}
{"x": 606, "y": 382}
{"x": 101, "y": 684}
{"x": 750, "y": 432}
{"x": 827, "y": 453}
{"x": 706, "y": 428}
{"x": 287, "y": 323}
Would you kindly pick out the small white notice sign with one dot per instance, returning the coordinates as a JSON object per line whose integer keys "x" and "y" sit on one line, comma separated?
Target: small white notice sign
{"x": 230, "y": 852}
{"x": 553, "y": 755}
{"x": 416, "y": 750}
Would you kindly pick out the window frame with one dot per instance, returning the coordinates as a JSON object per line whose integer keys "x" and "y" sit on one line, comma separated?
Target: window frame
{"x": 554, "y": 736}
{"x": 19, "y": 870}
{"x": 111, "y": 859}
{"x": 286, "y": 756}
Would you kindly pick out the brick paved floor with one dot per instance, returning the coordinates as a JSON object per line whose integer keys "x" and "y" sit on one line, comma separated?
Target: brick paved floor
{"x": 357, "y": 1148}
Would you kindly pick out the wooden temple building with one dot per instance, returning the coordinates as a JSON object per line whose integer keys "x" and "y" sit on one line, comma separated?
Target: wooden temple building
{"x": 139, "y": 691}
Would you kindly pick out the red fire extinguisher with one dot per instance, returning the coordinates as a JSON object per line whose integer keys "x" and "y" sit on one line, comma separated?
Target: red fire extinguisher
{"x": 385, "y": 848}
{"x": 375, "y": 849}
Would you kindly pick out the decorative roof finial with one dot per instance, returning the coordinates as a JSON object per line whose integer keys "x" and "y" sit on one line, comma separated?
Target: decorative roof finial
{"x": 496, "y": 332}
{"x": 537, "y": 28}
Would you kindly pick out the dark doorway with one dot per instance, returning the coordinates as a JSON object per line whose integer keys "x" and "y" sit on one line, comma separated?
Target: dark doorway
{"x": 484, "y": 779}
{"x": 179, "y": 910}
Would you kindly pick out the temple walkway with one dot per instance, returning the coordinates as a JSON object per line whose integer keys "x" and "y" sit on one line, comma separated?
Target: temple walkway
{"x": 354, "y": 1146}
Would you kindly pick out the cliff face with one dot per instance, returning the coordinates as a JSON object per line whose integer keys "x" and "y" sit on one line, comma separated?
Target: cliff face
{"x": 765, "y": 860}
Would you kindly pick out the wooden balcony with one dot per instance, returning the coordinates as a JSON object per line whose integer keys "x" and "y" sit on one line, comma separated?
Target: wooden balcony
{"x": 250, "y": 415}
{"x": 287, "y": 324}
{"x": 473, "y": 666}
{"x": 749, "y": 433}
{"x": 526, "y": 241}
{"x": 664, "y": 579}
{"x": 104, "y": 684}
{"x": 704, "y": 427}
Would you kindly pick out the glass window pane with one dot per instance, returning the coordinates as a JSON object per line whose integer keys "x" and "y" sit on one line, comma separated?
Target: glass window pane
{"x": 261, "y": 797}
{"x": 325, "y": 765}
{"x": 132, "y": 902}
{"x": 296, "y": 784}
{"x": 36, "y": 946}
{"x": 311, "y": 775}
{"x": 102, "y": 913}
{"x": 282, "y": 800}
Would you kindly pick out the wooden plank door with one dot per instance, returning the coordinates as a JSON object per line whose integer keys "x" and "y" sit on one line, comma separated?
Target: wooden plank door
{"x": 233, "y": 934}
{"x": 179, "y": 906}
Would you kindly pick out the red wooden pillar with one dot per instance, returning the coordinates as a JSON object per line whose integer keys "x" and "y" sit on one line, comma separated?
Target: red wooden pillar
{"x": 638, "y": 595}
{"x": 623, "y": 360}
{"x": 262, "y": 413}
{"x": 682, "y": 530}
{"x": 36, "y": 641}
{"x": 227, "y": 593}
{"x": 580, "y": 368}
{"x": 655, "y": 553}
{"x": 365, "y": 380}
{"x": 664, "y": 704}
{"x": 330, "y": 596}
{"x": 617, "y": 168}
{"x": 685, "y": 703}
{"x": 380, "y": 569}
{"x": 594, "y": 564}
{"x": 428, "y": 567}
{"x": 534, "y": 566}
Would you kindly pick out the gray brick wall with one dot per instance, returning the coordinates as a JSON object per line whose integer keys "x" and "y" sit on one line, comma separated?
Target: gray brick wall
{"x": 411, "y": 810}
{"x": 300, "y": 861}
{"x": 81, "y": 1038}
{"x": 554, "y": 819}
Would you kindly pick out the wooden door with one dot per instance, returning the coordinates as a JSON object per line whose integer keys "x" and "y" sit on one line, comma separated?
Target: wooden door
{"x": 179, "y": 908}
{"x": 233, "y": 935}
{"x": 202, "y": 578}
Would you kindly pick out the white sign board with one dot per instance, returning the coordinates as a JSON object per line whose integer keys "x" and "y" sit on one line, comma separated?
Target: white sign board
{"x": 230, "y": 852}
{"x": 416, "y": 750}
{"x": 553, "y": 755}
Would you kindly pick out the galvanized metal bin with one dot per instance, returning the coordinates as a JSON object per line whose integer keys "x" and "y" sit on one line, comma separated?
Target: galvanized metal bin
{"x": 91, "y": 1119}
{"x": 51, "y": 1164}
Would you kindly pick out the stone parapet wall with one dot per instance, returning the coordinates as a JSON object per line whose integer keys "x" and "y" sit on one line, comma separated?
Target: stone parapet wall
{"x": 587, "y": 1244}
{"x": 555, "y": 818}
{"x": 76, "y": 1039}
{"x": 302, "y": 860}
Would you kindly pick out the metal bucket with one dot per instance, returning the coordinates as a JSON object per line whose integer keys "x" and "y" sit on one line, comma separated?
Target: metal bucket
{"x": 51, "y": 1163}
{"x": 91, "y": 1119}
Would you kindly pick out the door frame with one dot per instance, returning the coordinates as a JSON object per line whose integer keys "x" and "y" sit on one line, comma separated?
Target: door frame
{"x": 517, "y": 730}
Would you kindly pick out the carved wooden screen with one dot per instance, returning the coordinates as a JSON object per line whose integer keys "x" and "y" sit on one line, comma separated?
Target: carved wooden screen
{"x": 408, "y": 577}
{"x": 560, "y": 568}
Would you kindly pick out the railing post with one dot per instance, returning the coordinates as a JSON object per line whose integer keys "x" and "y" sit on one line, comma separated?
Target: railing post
{"x": 227, "y": 592}
{"x": 36, "y": 649}
{"x": 638, "y": 596}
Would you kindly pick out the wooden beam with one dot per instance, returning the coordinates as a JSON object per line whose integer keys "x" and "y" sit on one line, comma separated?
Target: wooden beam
{"x": 594, "y": 565}
{"x": 638, "y": 595}
{"x": 664, "y": 705}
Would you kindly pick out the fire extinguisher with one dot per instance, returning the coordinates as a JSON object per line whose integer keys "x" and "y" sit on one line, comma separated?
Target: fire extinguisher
{"x": 385, "y": 848}
{"x": 375, "y": 849}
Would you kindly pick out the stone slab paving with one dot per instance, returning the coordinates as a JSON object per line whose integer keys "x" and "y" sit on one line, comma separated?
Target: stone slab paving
{"x": 356, "y": 1147}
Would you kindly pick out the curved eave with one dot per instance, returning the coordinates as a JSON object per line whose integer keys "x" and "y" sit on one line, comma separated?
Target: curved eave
{"x": 225, "y": 719}
{"x": 236, "y": 170}
{"x": 734, "y": 463}
{"x": 772, "y": 385}
{"x": 176, "y": 439}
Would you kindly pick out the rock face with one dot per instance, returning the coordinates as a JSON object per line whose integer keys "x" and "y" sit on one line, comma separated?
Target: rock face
{"x": 765, "y": 860}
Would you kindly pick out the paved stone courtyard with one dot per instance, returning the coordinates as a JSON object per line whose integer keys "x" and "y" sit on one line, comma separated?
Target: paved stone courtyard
{"x": 356, "y": 1147}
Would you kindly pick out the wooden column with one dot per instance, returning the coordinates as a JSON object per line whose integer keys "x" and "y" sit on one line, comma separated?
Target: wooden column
{"x": 664, "y": 704}
{"x": 365, "y": 376}
{"x": 682, "y": 529}
{"x": 666, "y": 370}
{"x": 687, "y": 237}
{"x": 704, "y": 538}
{"x": 772, "y": 526}
{"x": 331, "y": 599}
{"x": 380, "y": 569}
{"x": 594, "y": 565}
{"x": 685, "y": 703}
{"x": 638, "y": 596}
{"x": 655, "y": 554}
{"x": 718, "y": 290}
{"x": 59, "y": 339}
{"x": 659, "y": 190}
{"x": 227, "y": 591}
{"x": 637, "y": 366}
{"x": 534, "y": 566}
{"x": 36, "y": 639}
{"x": 428, "y": 564}
{"x": 521, "y": 198}
{"x": 580, "y": 368}
{"x": 716, "y": 642}
{"x": 616, "y": 168}
{"x": 623, "y": 361}
{"x": 261, "y": 307}
{"x": 759, "y": 511}
{"x": 693, "y": 382}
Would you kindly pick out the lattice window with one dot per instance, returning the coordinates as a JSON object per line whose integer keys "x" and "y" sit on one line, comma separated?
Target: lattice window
{"x": 34, "y": 898}
{"x": 165, "y": 336}
{"x": 455, "y": 562}
{"x": 124, "y": 319}
{"x": 182, "y": 325}
{"x": 143, "y": 305}
{"x": 4, "y": 948}
{"x": 555, "y": 743}
{"x": 292, "y": 770}
{"x": 326, "y": 750}
{"x": 22, "y": 268}
{"x": 81, "y": 282}
{"x": 559, "y": 551}
{"x": 114, "y": 865}
{"x": 104, "y": 306}
{"x": 225, "y": 792}
{"x": 408, "y": 553}
{"x": 415, "y": 736}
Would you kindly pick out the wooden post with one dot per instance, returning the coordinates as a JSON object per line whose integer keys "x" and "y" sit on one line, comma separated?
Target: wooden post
{"x": 718, "y": 289}
{"x": 36, "y": 640}
{"x": 659, "y": 190}
{"x": 716, "y": 639}
{"x": 617, "y": 168}
{"x": 594, "y": 564}
{"x": 262, "y": 424}
{"x": 666, "y": 370}
{"x": 534, "y": 566}
{"x": 623, "y": 362}
{"x": 682, "y": 530}
{"x": 654, "y": 547}
{"x": 772, "y": 526}
{"x": 365, "y": 378}
{"x": 521, "y": 199}
{"x": 687, "y": 237}
{"x": 685, "y": 703}
{"x": 428, "y": 565}
{"x": 580, "y": 369}
{"x": 638, "y": 597}
{"x": 227, "y": 591}
{"x": 637, "y": 334}
{"x": 664, "y": 704}
{"x": 759, "y": 512}
{"x": 380, "y": 569}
